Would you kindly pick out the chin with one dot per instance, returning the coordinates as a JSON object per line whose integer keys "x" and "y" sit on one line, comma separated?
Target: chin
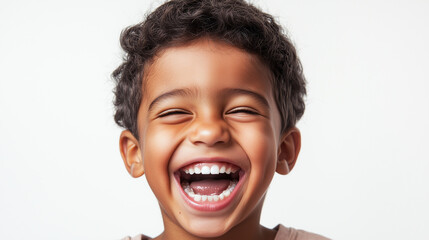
{"x": 207, "y": 228}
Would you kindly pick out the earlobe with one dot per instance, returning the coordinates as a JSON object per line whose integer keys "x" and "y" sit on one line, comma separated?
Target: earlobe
{"x": 282, "y": 167}
{"x": 288, "y": 151}
{"x": 130, "y": 152}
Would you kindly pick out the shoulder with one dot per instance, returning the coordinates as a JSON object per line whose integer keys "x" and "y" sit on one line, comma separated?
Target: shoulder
{"x": 138, "y": 237}
{"x": 285, "y": 233}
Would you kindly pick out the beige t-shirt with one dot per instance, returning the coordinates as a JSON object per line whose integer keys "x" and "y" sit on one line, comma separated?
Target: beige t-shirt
{"x": 283, "y": 233}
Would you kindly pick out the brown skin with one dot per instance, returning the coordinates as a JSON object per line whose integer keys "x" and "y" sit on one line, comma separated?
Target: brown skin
{"x": 206, "y": 120}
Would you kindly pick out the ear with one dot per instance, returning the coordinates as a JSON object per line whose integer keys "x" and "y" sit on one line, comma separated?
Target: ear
{"x": 288, "y": 151}
{"x": 130, "y": 152}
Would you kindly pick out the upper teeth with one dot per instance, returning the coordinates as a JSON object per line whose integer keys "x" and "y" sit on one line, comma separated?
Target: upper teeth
{"x": 211, "y": 168}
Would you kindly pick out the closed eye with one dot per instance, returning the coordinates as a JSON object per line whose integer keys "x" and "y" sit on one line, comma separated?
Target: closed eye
{"x": 172, "y": 112}
{"x": 244, "y": 110}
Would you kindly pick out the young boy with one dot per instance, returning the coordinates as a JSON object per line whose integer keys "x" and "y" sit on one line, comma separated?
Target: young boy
{"x": 209, "y": 93}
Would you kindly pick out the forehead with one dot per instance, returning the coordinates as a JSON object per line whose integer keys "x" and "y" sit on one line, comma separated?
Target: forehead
{"x": 208, "y": 66}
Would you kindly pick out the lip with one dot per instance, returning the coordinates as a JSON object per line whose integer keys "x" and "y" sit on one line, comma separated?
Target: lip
{"x": 209, "y": 160}
{"x": 208, "y": 206}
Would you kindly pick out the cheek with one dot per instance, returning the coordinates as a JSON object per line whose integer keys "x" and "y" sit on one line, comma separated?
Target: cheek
{"x": 158, "y": 146}
{"x": 260, "y": 144}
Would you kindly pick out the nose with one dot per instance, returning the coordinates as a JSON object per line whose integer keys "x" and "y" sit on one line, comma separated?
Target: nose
{"x": 209, "y": 132}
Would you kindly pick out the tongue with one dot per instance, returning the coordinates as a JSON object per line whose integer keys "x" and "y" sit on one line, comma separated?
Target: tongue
{"x": 210, "y": 186}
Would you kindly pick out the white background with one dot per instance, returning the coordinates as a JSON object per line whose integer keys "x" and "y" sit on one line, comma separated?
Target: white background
{"x": 363, "y": 169}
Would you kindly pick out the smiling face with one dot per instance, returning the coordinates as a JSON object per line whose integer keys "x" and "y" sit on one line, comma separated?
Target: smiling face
{"x": 209, "y": 136}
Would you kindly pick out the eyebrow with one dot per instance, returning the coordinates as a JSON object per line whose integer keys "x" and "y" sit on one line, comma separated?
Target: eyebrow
{"x": 258, "y": 97}
{"x": 172, "y": 93}
{"x": 228, "y": 92}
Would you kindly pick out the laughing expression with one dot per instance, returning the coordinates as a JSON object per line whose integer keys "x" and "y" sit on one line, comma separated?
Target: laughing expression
{"x": 209, "y": 135}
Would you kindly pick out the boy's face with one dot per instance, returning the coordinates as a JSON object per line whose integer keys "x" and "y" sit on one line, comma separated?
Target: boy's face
{"x": 209, "y": 136}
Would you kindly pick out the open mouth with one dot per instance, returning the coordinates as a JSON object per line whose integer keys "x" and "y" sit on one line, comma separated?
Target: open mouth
{"x": 209, "y": 183}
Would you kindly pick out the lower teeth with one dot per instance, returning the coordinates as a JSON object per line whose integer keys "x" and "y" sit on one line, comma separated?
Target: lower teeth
{"x": 211, "y": 198}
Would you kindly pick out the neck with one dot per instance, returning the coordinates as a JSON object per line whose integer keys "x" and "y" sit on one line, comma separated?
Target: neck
{"x": 249, "y": 229}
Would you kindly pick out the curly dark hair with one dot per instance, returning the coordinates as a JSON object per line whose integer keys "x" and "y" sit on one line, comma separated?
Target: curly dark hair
{"x": 235, "y": 22}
